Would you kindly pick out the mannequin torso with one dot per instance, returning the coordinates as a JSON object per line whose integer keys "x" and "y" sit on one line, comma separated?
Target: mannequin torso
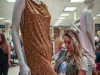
{"x": 87, "y": 31}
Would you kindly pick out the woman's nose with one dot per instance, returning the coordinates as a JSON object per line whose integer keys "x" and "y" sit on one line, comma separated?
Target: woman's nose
{"x": 66, "y": 45}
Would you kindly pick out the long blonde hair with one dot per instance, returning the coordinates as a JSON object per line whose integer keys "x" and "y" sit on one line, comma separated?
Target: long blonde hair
{"x": 78, "y": 51}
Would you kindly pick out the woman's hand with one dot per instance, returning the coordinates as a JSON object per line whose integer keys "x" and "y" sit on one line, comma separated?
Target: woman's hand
{"x": 9, "y": 64}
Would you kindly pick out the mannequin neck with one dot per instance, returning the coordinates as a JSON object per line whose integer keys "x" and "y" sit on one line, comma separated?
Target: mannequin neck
{"x": 87, "y": 6}
{"x": 37, "y": 1}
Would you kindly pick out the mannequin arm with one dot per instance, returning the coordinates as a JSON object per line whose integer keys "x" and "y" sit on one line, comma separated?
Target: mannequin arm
{"x": 88, "y": 24}
{"x": 74, "y": 24}
{"x": 17, "y": 12}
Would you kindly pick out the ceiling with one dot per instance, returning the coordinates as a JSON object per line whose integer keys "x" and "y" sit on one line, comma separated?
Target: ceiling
{"x": 55, "y": 7}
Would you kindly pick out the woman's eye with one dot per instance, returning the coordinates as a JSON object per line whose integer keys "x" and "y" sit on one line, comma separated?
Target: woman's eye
{"x": 68, "y": 42}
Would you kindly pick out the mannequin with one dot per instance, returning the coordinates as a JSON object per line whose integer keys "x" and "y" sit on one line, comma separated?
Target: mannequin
{"x": 87, "y": 31}
{"x": 31, "y": 15}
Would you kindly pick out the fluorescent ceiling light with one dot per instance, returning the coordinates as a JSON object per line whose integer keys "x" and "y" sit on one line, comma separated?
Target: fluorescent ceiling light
{"x": 1, "y": 18}
{"x": 76, "y": 0}
{"x": 11, "y": 0}
{"x": 56, "y": 24}
{"x": 64, "y": 14}
{"x": 70, "y": 8}
{"x": 7, "y": 21}
{"x": 98, "y": 15}
{"x": 94, "y": 17}
{"x": 61, "y": 18}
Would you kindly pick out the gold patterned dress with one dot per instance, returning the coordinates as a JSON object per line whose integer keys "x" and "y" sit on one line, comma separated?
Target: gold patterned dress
{"x": 35, "y": 25}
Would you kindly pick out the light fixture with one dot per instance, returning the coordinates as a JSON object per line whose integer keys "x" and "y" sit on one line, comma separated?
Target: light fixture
{"x": 76, "y": 0}
{"x": 98, "y": 15}
{"x": 94, "y": 17}
{"x": 70, "y": 8}
{"x": 1, "y": 18}
{"x": 11, "y": 0}
{"x": 61, "y": 18}
{"x": 64, "y": 14}
{"x": 7, "y": 21}
{"x": 56, "y": 24}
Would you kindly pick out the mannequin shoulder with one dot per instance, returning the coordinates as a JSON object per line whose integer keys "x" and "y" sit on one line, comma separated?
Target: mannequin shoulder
{"x": 88, "y": 12}
{"x": 19, "y": 5}
{"x": 17, "y": 1}
{"x": 20, "y": 2}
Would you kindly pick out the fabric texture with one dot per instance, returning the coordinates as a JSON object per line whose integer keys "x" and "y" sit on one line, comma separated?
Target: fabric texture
{"x": 35, "y": 26}
{"x": 62, "y": 68}
{"x": 90, "y": 69}
{"x": 87, "y": 46}
{"x": 3, "y": 63}
{"x": 3, "y": 57}
{"x": 4, "y": 69}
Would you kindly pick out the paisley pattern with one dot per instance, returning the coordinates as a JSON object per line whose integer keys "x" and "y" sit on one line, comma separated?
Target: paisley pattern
{"x": 35, "y": 26}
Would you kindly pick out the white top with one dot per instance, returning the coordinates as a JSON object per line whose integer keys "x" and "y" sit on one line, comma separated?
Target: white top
{"x": 84, "y": 63}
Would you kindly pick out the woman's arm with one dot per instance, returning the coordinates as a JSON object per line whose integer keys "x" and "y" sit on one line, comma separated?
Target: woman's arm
{"x": 82, "y": 72}
{"x": 9, "y": 54}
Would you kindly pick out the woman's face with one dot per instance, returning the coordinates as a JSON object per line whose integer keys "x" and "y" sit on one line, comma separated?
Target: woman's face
{"x": 68, "y": 43}
{"x": 0, "y": 39}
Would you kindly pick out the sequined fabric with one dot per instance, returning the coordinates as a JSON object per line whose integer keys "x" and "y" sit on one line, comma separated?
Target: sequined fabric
{"x": 36, "y": 38}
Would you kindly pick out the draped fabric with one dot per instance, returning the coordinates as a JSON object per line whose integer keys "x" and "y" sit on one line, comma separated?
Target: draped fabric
{"x": 35, "y": 25}
{"x": 87, "y": 46}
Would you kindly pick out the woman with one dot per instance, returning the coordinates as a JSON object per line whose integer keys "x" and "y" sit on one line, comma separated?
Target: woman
{"x": 71, "y": 61}
{"x": 5, "y": 51}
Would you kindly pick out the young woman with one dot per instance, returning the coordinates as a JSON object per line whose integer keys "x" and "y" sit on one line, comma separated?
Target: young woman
{"x": 5, "y": 51}
{"x": 71, "y": 61}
